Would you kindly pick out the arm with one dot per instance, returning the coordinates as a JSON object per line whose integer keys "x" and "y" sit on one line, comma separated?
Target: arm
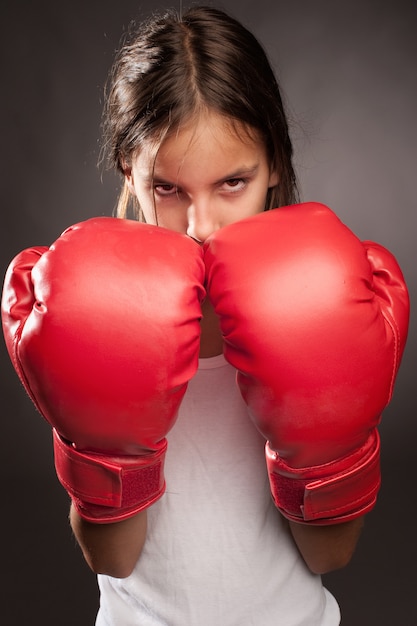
{"x": 327, "y": 548}
{"x": 317, "y": 352}
{"x": 103, "y": 330}
{"x": 111, "y": 549}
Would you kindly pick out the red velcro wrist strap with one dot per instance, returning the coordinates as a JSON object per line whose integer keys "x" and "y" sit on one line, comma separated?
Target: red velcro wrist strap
{"x": 328, "y": 494}
{"x": 108, "y": 489}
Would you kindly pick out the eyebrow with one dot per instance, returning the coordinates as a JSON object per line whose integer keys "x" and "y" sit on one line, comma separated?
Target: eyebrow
{"x": 239, "y": 173}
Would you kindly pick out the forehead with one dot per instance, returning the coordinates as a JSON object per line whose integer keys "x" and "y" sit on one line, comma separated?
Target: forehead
{"x": 209, "y": 144}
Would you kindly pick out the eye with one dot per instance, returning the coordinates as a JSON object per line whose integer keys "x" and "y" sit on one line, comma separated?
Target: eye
{"x": 235, "y": 184}
{"x": 166, "y": 189}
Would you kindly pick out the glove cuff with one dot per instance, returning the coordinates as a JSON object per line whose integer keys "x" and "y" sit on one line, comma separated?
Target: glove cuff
{"x": 107, "y": 489}
{"x": 327, "y": 494}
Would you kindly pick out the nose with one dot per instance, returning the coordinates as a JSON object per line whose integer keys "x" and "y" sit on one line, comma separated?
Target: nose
{"x": 202, "y": 221}
{"x": 195, "y": 238}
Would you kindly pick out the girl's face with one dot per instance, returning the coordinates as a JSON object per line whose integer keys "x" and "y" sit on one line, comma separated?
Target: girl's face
{"x": 205, "y": 176}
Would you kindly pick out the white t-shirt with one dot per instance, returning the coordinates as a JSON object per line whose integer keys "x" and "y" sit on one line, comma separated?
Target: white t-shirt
{"x": 217, "y": 553}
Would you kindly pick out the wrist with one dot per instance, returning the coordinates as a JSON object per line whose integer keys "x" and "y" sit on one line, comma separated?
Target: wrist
{"x": 107, "y": 488}
{"x": 332, "y": 493}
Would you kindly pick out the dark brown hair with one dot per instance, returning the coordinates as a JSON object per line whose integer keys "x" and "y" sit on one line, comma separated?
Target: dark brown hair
{"x": 174, "y": 66}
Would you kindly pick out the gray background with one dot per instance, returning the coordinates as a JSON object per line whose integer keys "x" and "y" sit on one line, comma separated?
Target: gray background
{"x": 349, "y": 78}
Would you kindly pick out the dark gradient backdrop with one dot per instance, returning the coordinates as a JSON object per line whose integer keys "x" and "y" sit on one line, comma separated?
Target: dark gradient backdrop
{"x": 348, "y": 70}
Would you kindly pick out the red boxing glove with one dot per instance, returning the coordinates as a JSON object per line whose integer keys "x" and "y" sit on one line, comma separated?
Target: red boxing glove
{"x": 315, "y": 322}
{"x": 103, "y": 330}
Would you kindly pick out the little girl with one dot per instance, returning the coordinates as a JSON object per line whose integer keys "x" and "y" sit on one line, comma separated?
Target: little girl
{"x": 196, "y": 127}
